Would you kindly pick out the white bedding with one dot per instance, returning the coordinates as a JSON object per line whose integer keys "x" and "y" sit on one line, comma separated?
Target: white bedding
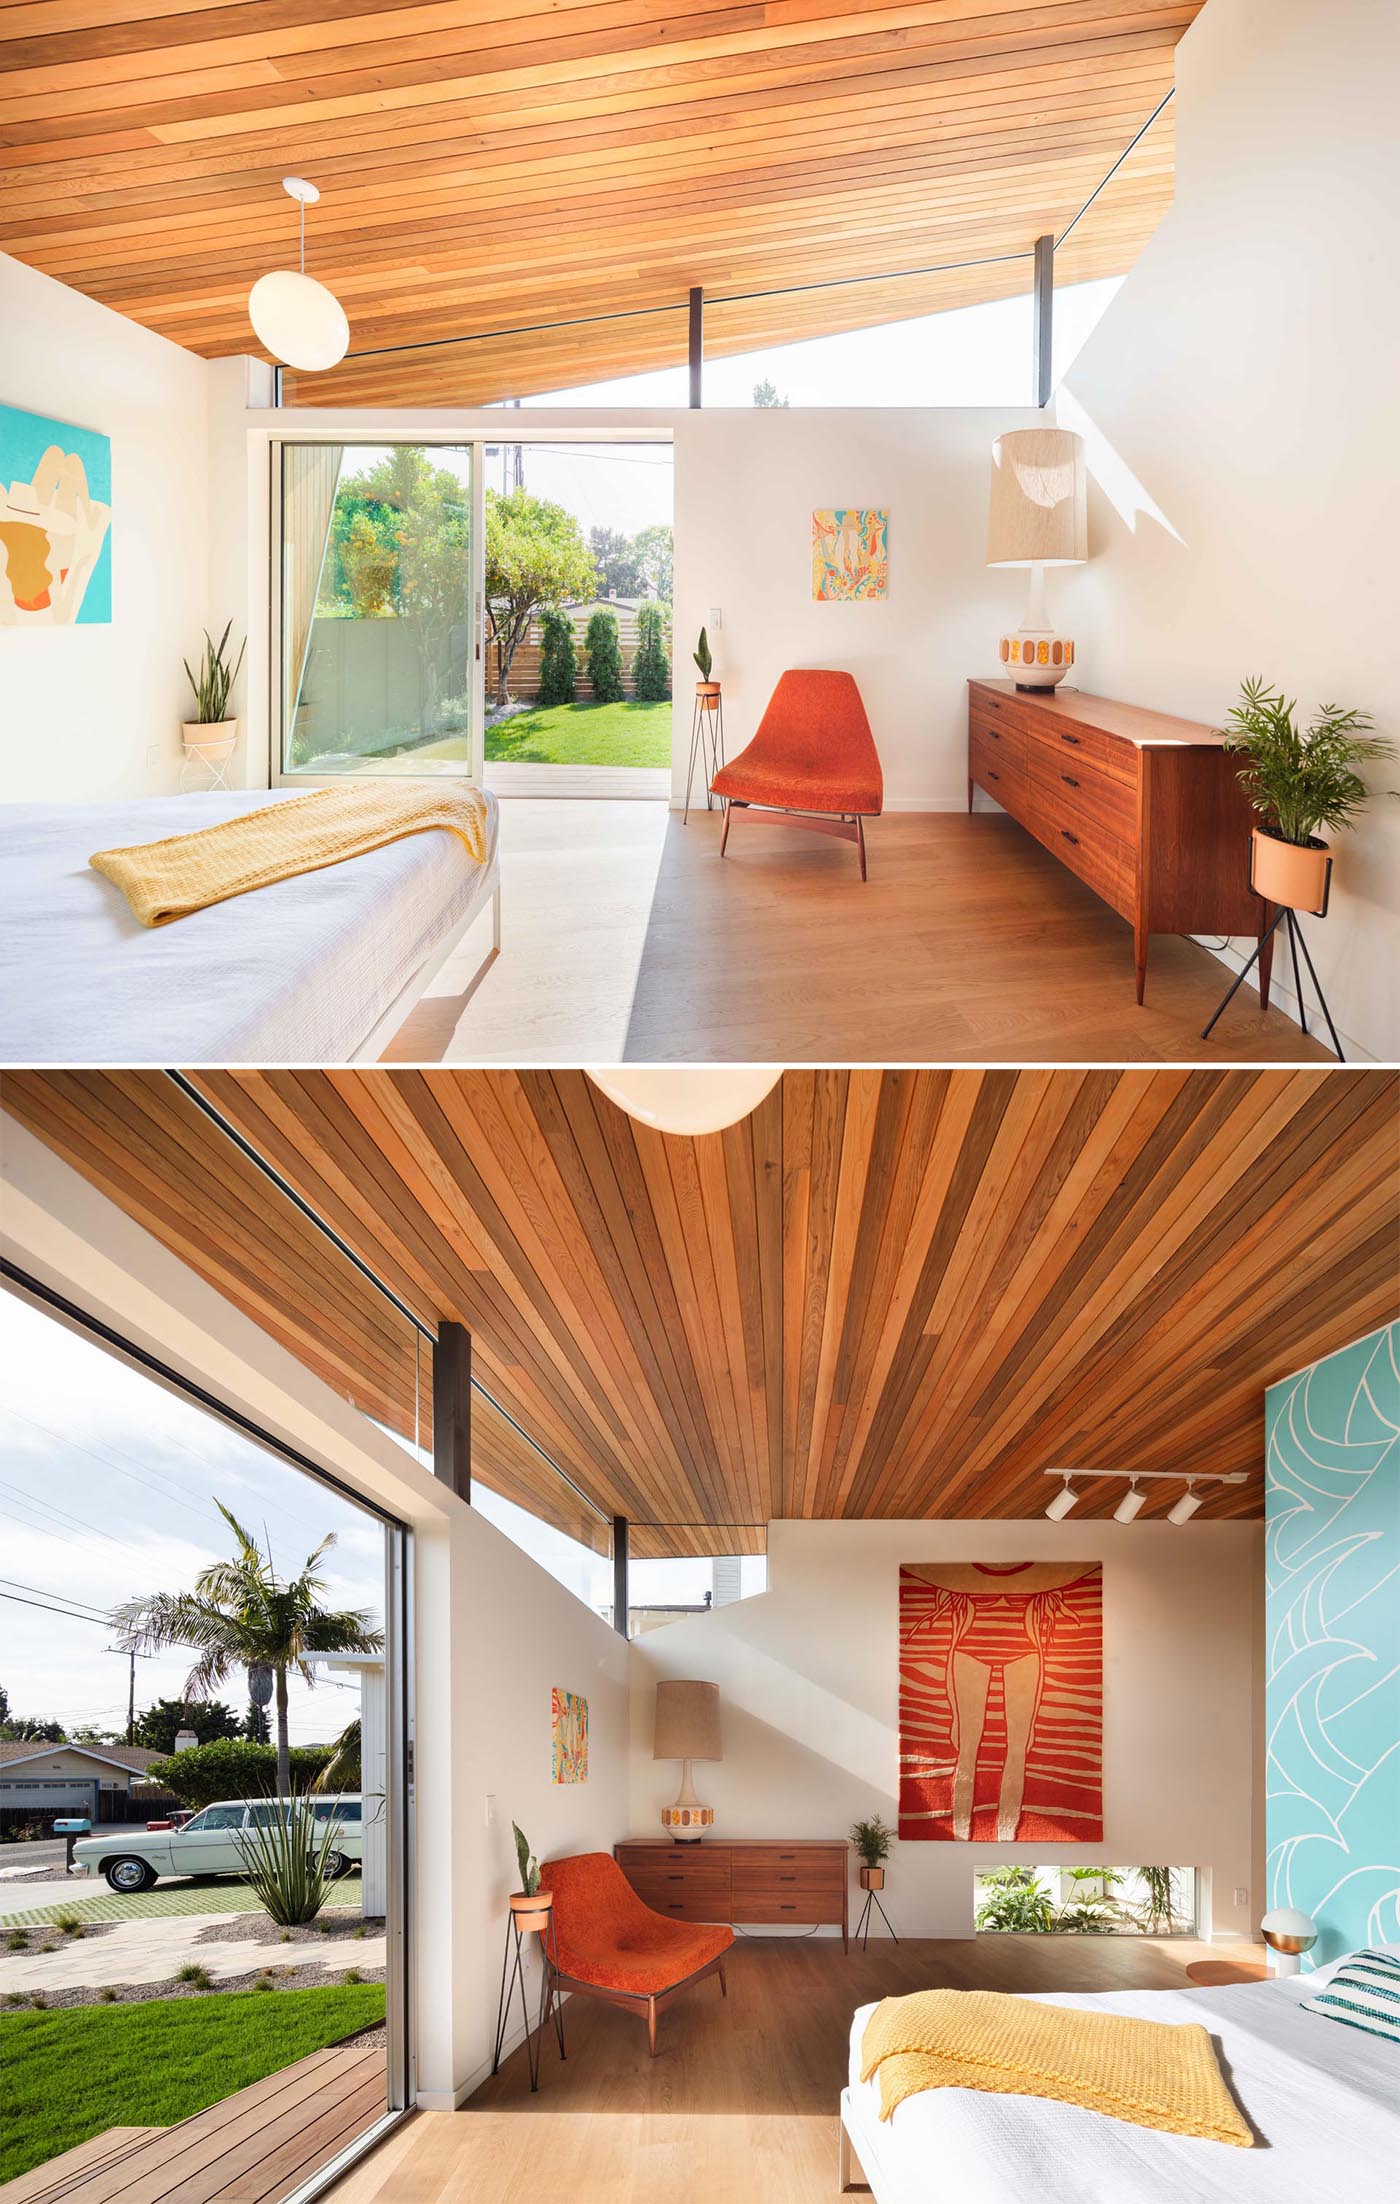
{"x": 1324, "y": 2102}
{"x": 296, "y": 973}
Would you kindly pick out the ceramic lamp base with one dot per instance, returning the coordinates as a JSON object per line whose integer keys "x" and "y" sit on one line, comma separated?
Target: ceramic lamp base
{"x": 687, "y": 1821}
{"x": 1036, "y": 658}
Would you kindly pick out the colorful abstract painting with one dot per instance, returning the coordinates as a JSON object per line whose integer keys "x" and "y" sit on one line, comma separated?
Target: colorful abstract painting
{"x": 1332, "y": 1666}
{"x": 55, "y": 523}
{"x": 1001, "y": 1702}
{"x": 850, "y": 554}
{"x": 570, "y": 1726}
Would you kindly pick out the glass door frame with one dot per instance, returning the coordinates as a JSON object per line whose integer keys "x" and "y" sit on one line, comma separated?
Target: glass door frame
{"x": 400, "y": 2047}
{"x": 278, "y": 776}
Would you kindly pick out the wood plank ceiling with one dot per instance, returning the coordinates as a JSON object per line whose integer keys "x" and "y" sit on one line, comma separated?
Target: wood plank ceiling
{"x": 884, "y": 1294}
{"x": 488, "y": 165}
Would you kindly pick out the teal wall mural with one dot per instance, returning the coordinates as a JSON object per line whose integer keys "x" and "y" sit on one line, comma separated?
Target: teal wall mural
{"x": 1333, "y": 1644}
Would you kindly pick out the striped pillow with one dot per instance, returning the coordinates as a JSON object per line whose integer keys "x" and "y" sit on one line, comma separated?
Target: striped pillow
{"x": 1365, "y": 1993}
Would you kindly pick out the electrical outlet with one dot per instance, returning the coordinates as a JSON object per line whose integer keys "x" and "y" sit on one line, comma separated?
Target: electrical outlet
{"x": 153, "y": 753}
{"x": 1241, "y": 1896}
{"x": 490, "y": 1809}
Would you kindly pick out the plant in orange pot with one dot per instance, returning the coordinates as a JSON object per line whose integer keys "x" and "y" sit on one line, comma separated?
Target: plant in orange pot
{"x": 872, "y": 1840}
{"x": 530, "y": 1905}
{"x": 1298, "y": 779}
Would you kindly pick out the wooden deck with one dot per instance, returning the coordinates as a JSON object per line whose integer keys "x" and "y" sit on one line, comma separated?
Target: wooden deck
{"x": 257, "y": 2146}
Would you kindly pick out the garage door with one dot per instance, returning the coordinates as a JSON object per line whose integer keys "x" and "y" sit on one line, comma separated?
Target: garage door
{"x": 56, "y": 1793}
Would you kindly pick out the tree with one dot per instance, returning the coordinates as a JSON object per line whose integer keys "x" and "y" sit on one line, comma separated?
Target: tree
{"x": 162, "y": 1722}
{"x": 233, "y": 1767}
{"x": 535, "y": 556}
{"x": 256, "y": 1726}
{"x": 241, "y": 1614}
{"x": 87, "y": 1734}
{"x": 655, "y": 548}
{"x": 23, "y": 1727}
{"x": 558, "y": 658}
{"x": 651, "y": 667}
{"x": 370, "y": 569}
{"x": 766, "y": 394}
{"x": 618, "y": 561}
{"x": 603, "y": 652}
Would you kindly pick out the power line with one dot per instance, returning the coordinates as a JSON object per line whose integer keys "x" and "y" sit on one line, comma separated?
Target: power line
{"x": 70, "y": 1614}
{"x": 20, "y": 1586}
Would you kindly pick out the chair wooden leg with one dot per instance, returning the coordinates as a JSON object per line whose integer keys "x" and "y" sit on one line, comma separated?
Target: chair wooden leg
{"x": 724, "y": 837}
{"x": 860, "y": 843}
{"x": 651, "y": 2025}
{"x": 723, "y": 1985}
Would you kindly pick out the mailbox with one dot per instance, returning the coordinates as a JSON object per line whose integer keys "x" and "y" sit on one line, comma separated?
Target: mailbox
{"x": 78, "y": 1827}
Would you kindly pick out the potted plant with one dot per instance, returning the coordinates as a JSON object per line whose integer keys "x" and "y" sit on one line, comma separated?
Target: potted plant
{"x": 872, "y": 1840}
{"x": 706, "y": 690}
{"x": 211, "y": 734}
{"x": 1297, "y": 780}
{"x": 530, "y": 1905}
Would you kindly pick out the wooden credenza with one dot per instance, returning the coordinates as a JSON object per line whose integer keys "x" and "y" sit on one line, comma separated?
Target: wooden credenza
{"x": 758, "y": 1880}
{"x": 1146, "y": 809}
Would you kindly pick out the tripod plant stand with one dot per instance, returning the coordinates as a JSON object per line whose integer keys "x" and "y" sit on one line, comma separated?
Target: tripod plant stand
{"x": 1296, "y": 942}
{"x": 871, "y": 1886}
{"x": 530, "y": 1915}
{"x": 706, "y": 740}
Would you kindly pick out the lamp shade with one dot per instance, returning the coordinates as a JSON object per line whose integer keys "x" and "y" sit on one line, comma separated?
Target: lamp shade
{"x": 1288, "y": 1929}
{"x": 1038, "y": 514}
{"x": 698, "y": 1098}
{"x": 299, "y": 320}
{"x": 687, "y": 1721}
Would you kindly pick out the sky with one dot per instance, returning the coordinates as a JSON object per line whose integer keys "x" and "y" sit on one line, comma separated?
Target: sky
{"x": 107, "y": 1490}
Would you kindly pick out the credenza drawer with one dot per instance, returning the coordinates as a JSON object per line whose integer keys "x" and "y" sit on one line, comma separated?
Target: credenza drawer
{"x": 1102, "y": 862}
{"x": 805, "y": 1907}
{"x": 787, "y": 1882}
{"x": 1000, "y": 710}
{"x": 1002, "y": 776}
{"x": 689, "y": 1905}
{"x": 1002, "y": 742}
{"x": 1063, "y": 782}
{"x": 708, "y": 1877}
{"x": 1100, "y": 752}
{"x": 686, "y": 1859}
{"x": 832, "y": 1857}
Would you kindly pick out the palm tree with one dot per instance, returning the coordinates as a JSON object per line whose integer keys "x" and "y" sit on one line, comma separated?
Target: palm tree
{"x": 242, "y": 1615}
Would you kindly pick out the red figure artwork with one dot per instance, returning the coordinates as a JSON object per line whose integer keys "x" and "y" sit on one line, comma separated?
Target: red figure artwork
{"x": 1001, "y": 1702}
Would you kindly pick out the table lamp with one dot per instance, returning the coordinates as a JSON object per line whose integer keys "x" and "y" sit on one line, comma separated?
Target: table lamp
{"x": 687, "y": 1728}
{"x": 1037, "y": 519}
{"x": 1288, "y": 1934}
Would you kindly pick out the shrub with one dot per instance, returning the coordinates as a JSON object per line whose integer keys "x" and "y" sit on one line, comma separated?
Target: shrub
{"x": 106, "y": 1995}
{"x": 286, "y": 1859}
{"x": 558, "y": 658}
{"x": 198, "y": 1976}
{"x": 352, "y": 1975}
{"x": 16, "y": 1941}
{"x": 603, "y": 651}
{"x": 651, "y": 667}
{"x": 233, "y": 1767}
{"x": 70, "y": 1923}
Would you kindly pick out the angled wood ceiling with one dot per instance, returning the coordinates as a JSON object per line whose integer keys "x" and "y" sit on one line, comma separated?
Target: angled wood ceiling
{"x": 884, "y": 1294}
{"x": 492, "y": 164}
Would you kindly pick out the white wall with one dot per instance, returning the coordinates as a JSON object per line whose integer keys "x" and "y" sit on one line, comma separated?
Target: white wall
{"x": 1244, "y": 384}
{"x": 747, "y": 482}
{"x": 492, "y": 1631}
{"x": 808, "y": 1677}
{"x": 91, "y": 712}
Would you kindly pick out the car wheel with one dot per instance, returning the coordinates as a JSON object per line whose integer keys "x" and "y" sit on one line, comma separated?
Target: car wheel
{"x": 129, "y": 1875}
{"x": 337, "y": 1865}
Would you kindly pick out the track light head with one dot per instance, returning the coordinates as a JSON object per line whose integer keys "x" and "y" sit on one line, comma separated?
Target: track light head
{"x": 1185, "y": 1507}
{"x": 1062, "y": 1503}
{"x": 1131, "y": 1504}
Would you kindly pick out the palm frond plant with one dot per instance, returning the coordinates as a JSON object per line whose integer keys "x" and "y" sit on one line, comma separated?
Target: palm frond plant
{"x": 1015, "y": 1901}
{"x": 213, "y": 684}
{"x": 1298, "y": 779}
{"x": 242, "y": 1614}
{"x": 290, "y": 1859}
{"x": 1156, "y": 1909}
{"x": 872, "y": 1839}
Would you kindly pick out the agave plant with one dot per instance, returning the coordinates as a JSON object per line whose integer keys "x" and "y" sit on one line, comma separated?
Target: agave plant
{"x": 213, "y": 685}
{"x": 289, "y": 1858}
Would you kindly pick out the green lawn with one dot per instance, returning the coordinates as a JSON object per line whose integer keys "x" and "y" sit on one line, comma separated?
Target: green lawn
{"x": 69, "y": 2075}
{"x": 584, "y": 734}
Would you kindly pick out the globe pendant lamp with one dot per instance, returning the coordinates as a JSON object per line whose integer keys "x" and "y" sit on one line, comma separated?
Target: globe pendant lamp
{"x": 687, "y": 1099}
{"x": 299, "y": 320}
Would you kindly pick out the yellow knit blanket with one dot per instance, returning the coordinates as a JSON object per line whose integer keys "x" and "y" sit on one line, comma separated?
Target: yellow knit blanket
{"x": 1148, "y": 2071}
{"x": 167, "y": 880}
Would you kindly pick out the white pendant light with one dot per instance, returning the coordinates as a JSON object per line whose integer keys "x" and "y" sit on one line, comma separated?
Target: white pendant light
{"x": 1131, "y": 1504}
{"x": 1185, "y": 1507}
{"x": 701, "y": 1098}
{"x": 299, "y": 320}
{"x": 1062, "y": 1503}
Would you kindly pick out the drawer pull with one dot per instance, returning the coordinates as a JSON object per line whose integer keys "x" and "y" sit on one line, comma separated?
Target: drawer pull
{"x": 1070, "y": 738}
{"x": 1070, "y": 837}
{"x": 992, "y": 773}
{"x": 787, "y": 1909}
{"x": 787, "y": 1878}
{"x": 995, "y": 733}
{"x": 1069, "y": 780}
{"x": 675, "y": 1878}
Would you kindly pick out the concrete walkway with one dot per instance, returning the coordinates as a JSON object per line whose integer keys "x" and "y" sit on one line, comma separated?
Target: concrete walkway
{"x": 155, "y": 1949}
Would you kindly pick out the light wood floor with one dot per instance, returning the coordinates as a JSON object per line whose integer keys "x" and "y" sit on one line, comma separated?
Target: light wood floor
{"x": 740, "y": 2102}
{"x": 626, "y": 937}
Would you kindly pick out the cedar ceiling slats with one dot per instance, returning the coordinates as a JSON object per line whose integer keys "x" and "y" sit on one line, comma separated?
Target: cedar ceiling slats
{"x": 898, "y": 1293}
{"x": 489, "y": 166}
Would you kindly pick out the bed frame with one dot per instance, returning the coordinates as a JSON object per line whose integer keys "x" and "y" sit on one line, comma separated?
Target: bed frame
{"x": 858, "y": 2168}
{"x": 488, "y": 888}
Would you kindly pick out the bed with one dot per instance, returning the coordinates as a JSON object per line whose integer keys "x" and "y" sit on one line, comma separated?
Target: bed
{"x": 318, "y": 969}
{"x": 1324, "y": 2101}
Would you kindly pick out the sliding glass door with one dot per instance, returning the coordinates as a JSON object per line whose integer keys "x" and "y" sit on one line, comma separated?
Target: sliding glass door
{"x": 377, "y": 657}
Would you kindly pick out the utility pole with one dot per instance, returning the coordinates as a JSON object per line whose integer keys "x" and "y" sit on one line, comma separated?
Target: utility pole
{"x": 131, "y": 1703}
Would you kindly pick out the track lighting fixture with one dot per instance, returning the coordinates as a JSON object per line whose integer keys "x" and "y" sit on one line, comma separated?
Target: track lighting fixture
{"x": 1062, "y": 1503}
{"x": 1185, "y": 1507}
{"x": 1132, "y": 1503}
{"x": 1134, "y": 1499}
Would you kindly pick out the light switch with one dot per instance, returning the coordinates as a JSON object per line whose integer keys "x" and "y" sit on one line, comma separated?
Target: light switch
{"x": 716, "y": 620}
{"x": 1241, "y": 1896}
{"x": 490, "y": 1809}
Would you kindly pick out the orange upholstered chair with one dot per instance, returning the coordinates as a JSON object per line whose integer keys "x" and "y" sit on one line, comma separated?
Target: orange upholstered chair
{"x": 610, "y": 1945}
{"x": 813, "y": 753}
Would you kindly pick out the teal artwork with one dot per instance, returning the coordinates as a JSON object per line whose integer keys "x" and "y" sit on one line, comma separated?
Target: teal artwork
{"x": 1332, "y": 1704}
{"x": 55, "y": 522}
